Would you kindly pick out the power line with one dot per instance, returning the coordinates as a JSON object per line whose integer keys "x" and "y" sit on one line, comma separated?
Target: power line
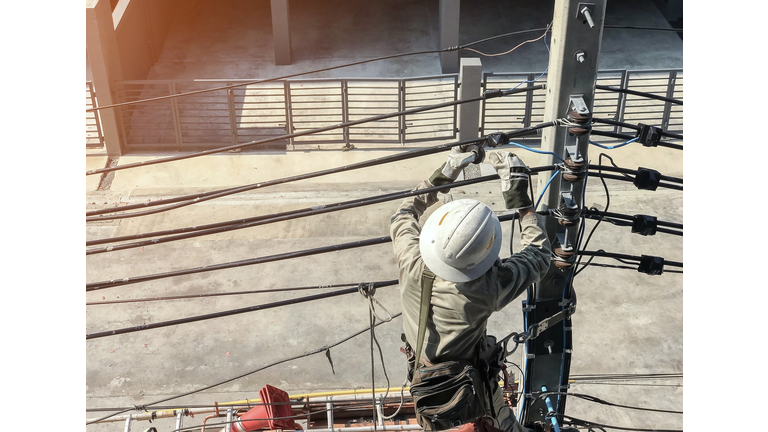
{"x": 271, "y": 258}
{"x": 220, "y": 227}
{"x": 639, "y": 93}
{"x": 595, "y": 399}
{"x": 488, "y": 94}
{"x": 199, "y": 197}
{"x": 629, "y": 137}
{"x": 449, "y": 49}
{"x": 634, "y": 127}
{"x": 578, "y": 422}
{"x": 217, "y": 294}
{"x": 306, "y": 354}
{"x": 622, "y": 27}
{"x": 232, "y": 312}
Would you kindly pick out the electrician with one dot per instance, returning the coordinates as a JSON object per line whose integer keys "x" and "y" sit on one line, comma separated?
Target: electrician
{"x": 460, "y": 244}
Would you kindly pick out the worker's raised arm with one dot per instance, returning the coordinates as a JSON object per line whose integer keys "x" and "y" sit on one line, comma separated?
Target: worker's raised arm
{"x": 404, "y": 225}
{"x": 532, "y": 262}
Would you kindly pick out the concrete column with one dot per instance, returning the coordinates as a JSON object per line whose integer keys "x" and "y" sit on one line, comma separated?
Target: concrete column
{"x": 101, "y": 48}
{"x": 281, "y": 33}
{"x": 449, "y": 34}
{"x": 470, "y": 80}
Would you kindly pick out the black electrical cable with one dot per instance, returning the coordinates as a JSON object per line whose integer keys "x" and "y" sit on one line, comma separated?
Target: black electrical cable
{"x": 634, "y": 376}
{"x": 595, "y": 399}
{"x": 623, "y": 27}
{"x": 306, "y": 354}
{"x": 197, "y": 198}
{"x": 634, "y": 127}
{"x": 617, "y": 169}
{"x": 629, "y": 137}
{"x": 220, "y": 294}
{"x": 619, "y": 257}
{"x": 578, "y": 422}
{"x": 231, "y": 312}
{"x": 271, "y": 258}
{"x": 449, "y": 49}
{"x": 597, "y": 213}
{"x": 489, "y": 94}
{"x": 93, "y": 286}
{"x": 638, "y": 93}
{"x": 219, "y": 227}
{"x": 279, "y": 217}
{"x": 618, "y": 267}
{"x": 664, "y": 185}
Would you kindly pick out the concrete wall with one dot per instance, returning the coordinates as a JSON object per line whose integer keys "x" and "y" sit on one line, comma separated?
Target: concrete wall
{"x": 141, "y": 27}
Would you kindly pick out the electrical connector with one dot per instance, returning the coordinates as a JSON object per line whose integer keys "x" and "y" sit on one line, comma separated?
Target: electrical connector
{"x": 652, "y": 265}
{"x": 644, "y": 225}
{"x": 647, "y": 179}
{"x": 649, "y": 136}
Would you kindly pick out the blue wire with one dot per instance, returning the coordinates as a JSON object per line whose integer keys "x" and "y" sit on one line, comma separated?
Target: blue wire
{"x": 616, "y": 146}
{"x": 537, "y": 151}
{"x": 545, "y": 189}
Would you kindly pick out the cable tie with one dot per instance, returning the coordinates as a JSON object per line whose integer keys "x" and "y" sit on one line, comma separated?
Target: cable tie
{"x": 648, "y": 135}
{"x": 644, "y": 225}
{"x": 647, "y": 179}
{"x": 652, "y": 265}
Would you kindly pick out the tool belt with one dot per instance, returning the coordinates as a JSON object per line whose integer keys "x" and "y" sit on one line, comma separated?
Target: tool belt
{"x": 453, "y": 393}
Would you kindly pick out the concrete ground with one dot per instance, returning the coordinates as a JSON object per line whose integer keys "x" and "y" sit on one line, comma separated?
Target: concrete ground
{"x": 626, "y": 322}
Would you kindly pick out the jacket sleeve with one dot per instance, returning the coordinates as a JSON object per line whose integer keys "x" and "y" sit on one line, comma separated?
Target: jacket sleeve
{"x": 404, "y": 226}
{"x": 527, "y": 266}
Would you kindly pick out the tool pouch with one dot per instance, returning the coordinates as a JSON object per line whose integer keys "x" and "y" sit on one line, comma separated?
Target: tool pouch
{"x": 447, "y": 395}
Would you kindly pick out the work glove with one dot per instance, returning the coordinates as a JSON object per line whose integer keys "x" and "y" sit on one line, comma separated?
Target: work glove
{"x": 515, "y": 177}
{"x": 457, "y": 161}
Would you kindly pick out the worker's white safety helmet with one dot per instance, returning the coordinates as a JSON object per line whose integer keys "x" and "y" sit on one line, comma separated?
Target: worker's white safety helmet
{"x": 461, "y": 240}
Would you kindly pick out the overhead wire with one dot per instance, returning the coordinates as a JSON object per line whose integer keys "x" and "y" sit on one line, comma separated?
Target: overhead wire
{"x": 629, "y": 137}
{"x": 639, "y": 93}
{"x": 220, "y": 227}
{"x": 634, "y": 127}
{"x": 232, "y": 86}
{"x": 595, "y": 399}
{"x": 322, "y": 349}
{"x": 182, "y": 201}
{"x": 516, "y": 47}
{"x": 578, "y": 422}
{"x": 217, "y": 294}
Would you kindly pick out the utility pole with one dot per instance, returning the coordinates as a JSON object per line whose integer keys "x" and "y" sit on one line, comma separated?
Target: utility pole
{"x": 577, "y": 30}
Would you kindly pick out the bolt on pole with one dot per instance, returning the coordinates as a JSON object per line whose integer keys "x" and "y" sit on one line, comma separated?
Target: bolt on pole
{"x": 577, "y": 30}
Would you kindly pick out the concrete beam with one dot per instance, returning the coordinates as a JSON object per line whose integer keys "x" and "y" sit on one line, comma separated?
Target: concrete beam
{"x": 449, "y": 34}
{"x": 281, "y": 33}
{"x": 101, "y": 49}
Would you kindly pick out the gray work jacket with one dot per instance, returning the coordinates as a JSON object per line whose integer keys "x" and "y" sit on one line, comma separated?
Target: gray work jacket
{"x": 460, "y": 311}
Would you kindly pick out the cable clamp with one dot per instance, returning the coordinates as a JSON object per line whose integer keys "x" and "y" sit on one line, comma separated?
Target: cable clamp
{"x": 647, "y": 179}
{"x": 496, "y": 139}
{"x": 652, "y": 265}
{"x": 140, "y": 408}
{"x": 649, "y": 135}
{"x": 644, "y": 225}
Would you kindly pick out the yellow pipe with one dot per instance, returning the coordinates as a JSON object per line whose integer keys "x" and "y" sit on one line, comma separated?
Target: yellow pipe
{"x": 322, "y": 394}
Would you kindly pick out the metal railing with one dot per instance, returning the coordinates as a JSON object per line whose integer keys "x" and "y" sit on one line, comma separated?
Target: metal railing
{"x": 257, "y": 111}
{"x": 522, "y": 110}
{"x": 93, "y": 136}
{"x": 264, "y": 110}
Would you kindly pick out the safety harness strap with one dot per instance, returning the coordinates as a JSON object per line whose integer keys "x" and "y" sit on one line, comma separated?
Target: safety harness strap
{"x": 427, "y": 280}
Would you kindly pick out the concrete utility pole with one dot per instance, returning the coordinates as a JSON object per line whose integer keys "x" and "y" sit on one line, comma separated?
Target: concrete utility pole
{"x": 577, "y": 31}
